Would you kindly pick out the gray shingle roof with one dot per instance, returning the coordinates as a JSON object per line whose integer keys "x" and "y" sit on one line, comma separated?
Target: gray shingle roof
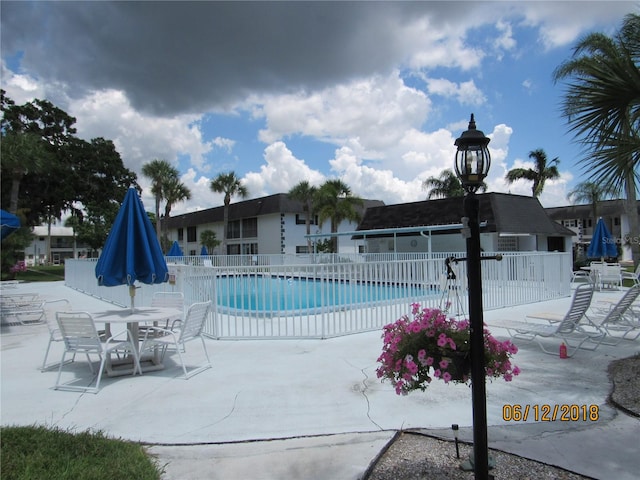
{"x": 503, "y": 213}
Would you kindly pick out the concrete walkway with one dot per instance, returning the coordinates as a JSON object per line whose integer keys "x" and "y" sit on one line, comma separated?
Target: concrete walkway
{"x": 314, "y": 409}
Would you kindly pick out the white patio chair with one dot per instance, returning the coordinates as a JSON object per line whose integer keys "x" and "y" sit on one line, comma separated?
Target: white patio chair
{"x": 79, "y": 334}
{"x": 575, "y": 329}
{"x": 51, "y": 308}
{"x": 190, "y": 329}
{"x": 611, "y": 275}
{"x": 168, "y": 300}
{"x": 619, "y": 317}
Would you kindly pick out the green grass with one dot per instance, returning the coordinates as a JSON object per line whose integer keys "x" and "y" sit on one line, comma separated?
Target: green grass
{"x": 34, "y": 453}
{"x": 52, "y": 273}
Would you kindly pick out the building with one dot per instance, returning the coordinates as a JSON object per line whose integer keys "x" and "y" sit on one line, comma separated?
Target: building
{"x": 63, "y": 245}
{"x": 579, "y": 219}
{"x": 268, "y": 225}
{"x": 509, "y": 223}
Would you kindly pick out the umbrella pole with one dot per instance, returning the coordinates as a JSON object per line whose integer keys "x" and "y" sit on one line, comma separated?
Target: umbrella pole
{"x": 132, "y": 294}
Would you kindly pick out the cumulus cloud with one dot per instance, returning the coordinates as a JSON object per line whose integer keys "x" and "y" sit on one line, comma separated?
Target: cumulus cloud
{"x": 281, "y": 171}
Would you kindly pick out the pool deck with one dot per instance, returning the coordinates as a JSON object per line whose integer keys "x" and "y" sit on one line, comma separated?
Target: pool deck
{"x": 314, "y": 409}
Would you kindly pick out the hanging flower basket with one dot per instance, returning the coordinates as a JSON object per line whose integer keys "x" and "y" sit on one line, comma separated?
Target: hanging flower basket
{"x": 430, "y": 345}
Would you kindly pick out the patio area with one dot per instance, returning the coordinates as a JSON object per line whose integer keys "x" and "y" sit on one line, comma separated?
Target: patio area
{"x": 308, "y": 408}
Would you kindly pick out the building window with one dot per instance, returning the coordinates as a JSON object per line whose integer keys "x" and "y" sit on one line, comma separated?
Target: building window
{"x": 616, "y": 220}
{"x": 180, "y": 234}
{"x": 301, "y": 219}
{"x": 250, "y": 227}
{"x": 507, "y": 244}
{"x": 191, "y": 234}
{"x": 233, "y": 249}
{"x": 249, "y": 248}
{"x": 302, "y": 249}
{"x": 233, "y": 229}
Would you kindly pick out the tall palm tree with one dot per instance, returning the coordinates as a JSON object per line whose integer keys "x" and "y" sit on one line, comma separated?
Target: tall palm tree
{"x": 174, "y": 191}
{"x": 591, "y": 193}
{"x": 333, "y": 201}
{"x": 230, "y": 185}
{"x": 542, "y": 171}
{"x": 602, "y": 107}
{"x": 160, "y": 172}
{"x": 303, "y": 192}
{"x": 447, "y": 185}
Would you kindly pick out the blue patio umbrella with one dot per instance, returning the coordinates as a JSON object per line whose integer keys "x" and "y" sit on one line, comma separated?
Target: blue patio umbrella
{"x": 132, "y": 251}
{"x": 602, "y": 242}
{"x": 10, "y": 223}
{"x": 203, "y": 251}
{"x": 175, "y": 250}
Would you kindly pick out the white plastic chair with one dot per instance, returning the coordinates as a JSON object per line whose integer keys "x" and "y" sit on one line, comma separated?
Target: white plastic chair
{"x": 190, "y": 329}
{"x": 51, "y": 308}
{"x": 79, "y": 334}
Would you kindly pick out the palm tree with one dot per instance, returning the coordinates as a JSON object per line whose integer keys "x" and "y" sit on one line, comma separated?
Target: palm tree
{"x": 173, "y": 191}
{"x": 602, "y": 107}
{"x": 334, "y": 202}
{"x": 591, "y": 193}
{"x": 230, "y": 185}
{"x": 209, "y": 239}
{"x": 447, "y": 185}
{"x": 542, "y": 171}
{"x": 160, "y": 172}
{"x": 303, "y": 192}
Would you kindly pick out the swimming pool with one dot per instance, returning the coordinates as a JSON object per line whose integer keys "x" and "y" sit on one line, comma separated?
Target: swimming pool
{"x": 263, "y": 294}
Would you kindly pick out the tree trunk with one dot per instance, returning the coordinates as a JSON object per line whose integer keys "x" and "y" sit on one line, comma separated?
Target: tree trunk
{"x": 631, "y": 210}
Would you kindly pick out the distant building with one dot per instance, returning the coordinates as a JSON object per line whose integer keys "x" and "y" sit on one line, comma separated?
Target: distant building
{"x": 268, "y": 225}
{"x": 579, "y": 219}
{"x": 63, "y": 245}
{"x": 514, "y": 223}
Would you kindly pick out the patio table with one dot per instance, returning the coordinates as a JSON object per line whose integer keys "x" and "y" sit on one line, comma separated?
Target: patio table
{"x": 144, "y": 315}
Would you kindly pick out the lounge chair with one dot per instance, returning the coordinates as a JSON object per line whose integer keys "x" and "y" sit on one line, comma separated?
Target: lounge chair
{"x": 189, "y": 329}
{"x": 575, "y": 329}
{"x": 79, "y": 334}
{"x": 619, "y": 317}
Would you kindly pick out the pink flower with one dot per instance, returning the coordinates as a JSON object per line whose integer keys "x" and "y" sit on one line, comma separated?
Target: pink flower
{"x": 444, "y": 364}
{"x": 437, "y": 373}
{"x": 446, "y": 377}
{"x": 429, "y": 361}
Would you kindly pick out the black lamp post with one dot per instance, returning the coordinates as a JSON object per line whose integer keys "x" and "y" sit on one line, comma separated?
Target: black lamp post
{"x": 472, "y": 165}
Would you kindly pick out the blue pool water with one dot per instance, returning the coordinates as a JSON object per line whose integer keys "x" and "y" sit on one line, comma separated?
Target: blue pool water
{"x": 280, "y": 294}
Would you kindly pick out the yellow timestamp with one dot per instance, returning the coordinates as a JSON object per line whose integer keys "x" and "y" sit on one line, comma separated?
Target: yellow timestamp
{"x": 550, "y": 413}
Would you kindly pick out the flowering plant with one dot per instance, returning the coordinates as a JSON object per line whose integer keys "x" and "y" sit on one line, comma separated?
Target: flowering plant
{"x": 432, "y": 345}
{"x": 20, "y": 266}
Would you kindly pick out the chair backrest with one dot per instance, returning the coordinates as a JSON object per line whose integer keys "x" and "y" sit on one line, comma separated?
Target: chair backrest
{"x": 620, "y": 309}
{"x": 79, "y": 332}
{"x": 194, "y": 320}
{"x": 579, "y": 305}
{"x": 51, "y": 308}
{"x": 168, "y": 300}
{"x": 612, "y": 270}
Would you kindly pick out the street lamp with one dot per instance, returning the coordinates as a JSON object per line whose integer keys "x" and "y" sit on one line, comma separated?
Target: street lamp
{"x": 472, "y": 165}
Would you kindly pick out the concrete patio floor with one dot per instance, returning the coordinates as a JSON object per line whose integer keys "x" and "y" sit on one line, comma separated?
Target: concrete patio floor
{"x": 314, "y": 409}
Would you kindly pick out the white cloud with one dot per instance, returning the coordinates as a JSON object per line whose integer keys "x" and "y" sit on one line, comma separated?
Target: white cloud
{"x": 372, "y": 113}
{"x": 281, "y": 171}
{"x": 139, "y": 138}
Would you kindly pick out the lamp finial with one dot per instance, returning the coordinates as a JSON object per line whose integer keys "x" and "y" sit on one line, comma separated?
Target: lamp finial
{"x": 472, "y": 123}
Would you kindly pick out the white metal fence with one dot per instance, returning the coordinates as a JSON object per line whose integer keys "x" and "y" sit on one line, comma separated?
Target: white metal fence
{"x": 286, "y": 296}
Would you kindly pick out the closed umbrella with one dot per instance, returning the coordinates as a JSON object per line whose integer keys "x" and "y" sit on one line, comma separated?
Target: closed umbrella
{"x": 132, "y": 251}
{"x": 203, "y": 251}
{"x": 602, "y": 242}
{"x": 10, "y": 223}
{"x": 175, "y": 250}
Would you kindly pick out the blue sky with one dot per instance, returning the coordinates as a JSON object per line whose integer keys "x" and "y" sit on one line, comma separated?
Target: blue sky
{"x": 374, "y": 93}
